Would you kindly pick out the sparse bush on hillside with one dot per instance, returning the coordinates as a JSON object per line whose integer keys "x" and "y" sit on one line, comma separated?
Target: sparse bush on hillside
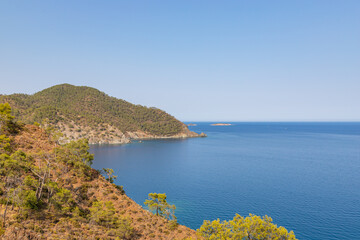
{"x": 63, "y": 201}
{"x": 157, "y": 203}
{"x": 120, "y": 188}
{"x": 173, "y": 224}
{"x": 2, "y": 231}
{"x": 110, "y": 174}
{"x": 104, "y": 214}
{"x": 5, "y": 146}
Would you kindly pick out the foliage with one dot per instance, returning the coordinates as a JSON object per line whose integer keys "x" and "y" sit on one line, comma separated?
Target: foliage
{"x": 29, "y": 181}
{"x": 85, "y": 106}
{"x": 28, "y": 199}
{"x": 103, "y": 213}
{"x": 5, "y": 146}
{"x": 157, "y": 202}
{"x": 173, "y": 224}
{"x": 63, "y": 201}
{"x": 7, "y": 124}
{"x": 77, "y": 152}
{"x": 124, "y": 228}
{"x": 75, "y": 155}
{"x": 120, "y": 188}
{"x": 27, "y": 184}
{"x": 53, "y": 133}
{"x": 5, "y": 116}
{"x": 13, "y": 165}
{"x": 252, "y": 227}
{"x": 2, "y": 231}
{"x": 110, "y": 174}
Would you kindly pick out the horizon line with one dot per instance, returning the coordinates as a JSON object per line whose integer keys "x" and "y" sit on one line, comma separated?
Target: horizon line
{"x": 277, "y": 121}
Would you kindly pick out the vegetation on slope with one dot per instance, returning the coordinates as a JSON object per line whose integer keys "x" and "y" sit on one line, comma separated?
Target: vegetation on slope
{"x": 158, "y": 204}
{"x": 49, "y": 191}
{"x": 88, "y": 107}
{"x": 250, "y": 228}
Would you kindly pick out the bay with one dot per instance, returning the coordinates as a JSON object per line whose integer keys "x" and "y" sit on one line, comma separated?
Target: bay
{"x": 306, "y": 176}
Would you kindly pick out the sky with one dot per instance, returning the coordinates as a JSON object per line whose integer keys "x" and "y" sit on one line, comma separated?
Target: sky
{"x": 198, "y": 60}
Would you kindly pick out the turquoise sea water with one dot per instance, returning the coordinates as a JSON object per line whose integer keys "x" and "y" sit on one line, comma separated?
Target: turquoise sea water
{"x": 306, "y": 176}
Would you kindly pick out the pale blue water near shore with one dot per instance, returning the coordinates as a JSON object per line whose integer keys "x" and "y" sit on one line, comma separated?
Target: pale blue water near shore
{"x": 306, "y": 176}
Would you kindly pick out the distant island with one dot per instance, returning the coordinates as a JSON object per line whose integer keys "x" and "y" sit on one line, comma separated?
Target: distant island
{"x": 221, "y": 124}
{"x": 85, "y": 112}
{"x": 192, "y": 124}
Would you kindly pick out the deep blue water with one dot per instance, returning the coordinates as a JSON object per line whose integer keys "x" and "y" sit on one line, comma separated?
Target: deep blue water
{"x": 306, "y": 176}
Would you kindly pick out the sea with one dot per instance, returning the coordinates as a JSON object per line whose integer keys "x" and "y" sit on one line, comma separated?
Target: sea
{"x": 304, "y": 175}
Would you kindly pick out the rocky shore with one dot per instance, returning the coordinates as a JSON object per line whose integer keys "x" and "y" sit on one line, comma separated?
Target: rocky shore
{"x": 112, "y": 135}
{"x": 221, "y": 124}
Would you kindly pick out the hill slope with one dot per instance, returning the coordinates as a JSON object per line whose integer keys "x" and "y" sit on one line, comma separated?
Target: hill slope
{"x": 49, "y": 191}
{"x": 84, "y": 112}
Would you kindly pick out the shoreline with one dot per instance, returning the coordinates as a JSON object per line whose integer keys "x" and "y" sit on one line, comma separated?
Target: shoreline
{"x": 149, "y": 139}
{"x": 221, "y": 124}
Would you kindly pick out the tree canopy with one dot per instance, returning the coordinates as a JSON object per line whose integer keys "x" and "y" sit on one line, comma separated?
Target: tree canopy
{"x": 251, "y": 228}
{"x": 87, "y": 106}
{"x": 157, "y": 202}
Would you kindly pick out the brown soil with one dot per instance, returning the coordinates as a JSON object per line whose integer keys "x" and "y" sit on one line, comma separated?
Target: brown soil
{"x": 43, "y": 225}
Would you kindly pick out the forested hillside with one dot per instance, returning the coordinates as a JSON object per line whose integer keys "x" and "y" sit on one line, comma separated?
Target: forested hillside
{"x": 84, "y": 112}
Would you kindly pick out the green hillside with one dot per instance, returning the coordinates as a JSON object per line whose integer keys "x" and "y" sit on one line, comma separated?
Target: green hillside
{"x": 86, "y": 106}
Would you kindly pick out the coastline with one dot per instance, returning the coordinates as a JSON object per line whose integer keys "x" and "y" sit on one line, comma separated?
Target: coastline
{"x": 142, "y": 139}
{"x": 128, "y": 137}
{"x": 221, "y": 124}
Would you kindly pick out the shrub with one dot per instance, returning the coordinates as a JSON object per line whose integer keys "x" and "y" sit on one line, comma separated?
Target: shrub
{"x": 29, "y": 200}
{"x": 2, "y": 231}
{"x": 173, "y": 224}
{"x": 121, "y": 189}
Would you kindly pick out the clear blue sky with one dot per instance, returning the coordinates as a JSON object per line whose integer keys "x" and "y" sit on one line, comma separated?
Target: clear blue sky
{"x": 198, "y": 60}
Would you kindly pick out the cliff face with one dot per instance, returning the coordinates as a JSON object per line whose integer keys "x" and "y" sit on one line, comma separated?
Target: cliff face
{"x": 84, "y": 112}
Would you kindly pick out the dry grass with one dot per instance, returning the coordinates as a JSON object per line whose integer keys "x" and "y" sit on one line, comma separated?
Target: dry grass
{"x": 45, "y": 225}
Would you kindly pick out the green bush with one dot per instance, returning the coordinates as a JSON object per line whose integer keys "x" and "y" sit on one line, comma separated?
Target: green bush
{"x": 2, "y": 231}
{"x": 121, "y": 189}
{"x": 29, "y": 200}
